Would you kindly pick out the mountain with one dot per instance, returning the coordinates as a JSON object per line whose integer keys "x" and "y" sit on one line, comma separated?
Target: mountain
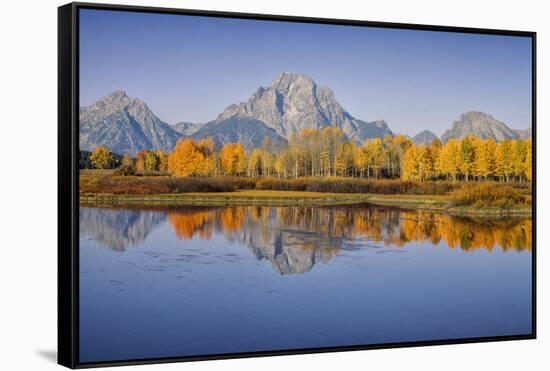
{"x": 124, "y": 125}
{"x": 187, "y": 128}
{"x": 424, "y": 137}
{"x": 235, "y": 129}
{"x": 525, "y": 133}
{"x": 482, "y": 125}
{"x": 294, "y": 102}
{"x": 373, "y": 129}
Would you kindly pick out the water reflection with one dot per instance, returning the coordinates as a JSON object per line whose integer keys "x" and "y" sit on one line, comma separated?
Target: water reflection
{"x": 294, "y": 239}
{"x": 118, "y": 228}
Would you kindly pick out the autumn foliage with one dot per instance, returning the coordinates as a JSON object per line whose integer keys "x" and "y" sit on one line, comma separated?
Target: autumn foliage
{"x": 233, "y": 159}
{"x": 470, "y": 158}
{"x": 101, "y": 158}
{"x": 188, "y": 159}
{"x": 327, "y": 153}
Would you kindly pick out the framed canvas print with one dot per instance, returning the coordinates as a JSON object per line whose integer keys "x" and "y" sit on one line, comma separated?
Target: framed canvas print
{"x": 237, "y": 185}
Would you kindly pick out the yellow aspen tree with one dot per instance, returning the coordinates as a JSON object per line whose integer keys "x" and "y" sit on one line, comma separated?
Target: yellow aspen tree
{"x": 268, "y": 156}
{"x": 467, "y": 157}
{"x": 401, "y": 144}
{"x": 215, "y": 164}
{"x": 449, "y": 158}
{"x": 503, "y": 160}
{"x": 140, "y": 161}
{"x": 433, "y": 152}
{"x": 297, "y": 157}
{"x": 518, "y": 158}
{"x": 491, "y": 147}
{"x": 441, "y": 162}
{"x": 324, "y": 163}
{"x": 375, "y": 151}
{"x": 425, "y": 164}
{"x": 281, "y": 164}
{"x": 267, "y": 162}
{"x": 255, "y": 166}
{"x": 345, "y": 159}
{"x": 226, "y": 158}
{"x": 288, "y": 163}
{"x": 410, "y": 164}
{"x": 151, "y": 161}
{"x": 361, "y": 160}
{"x": 391, "y": 157}
{"x": 233, "y": 159}
{"x": 187, "y": 159}
{"x": 331, "y": 138}
{"x": 454, "y": 157}
{"x": 484, "y": 163}
{"x": 308, "y": 140}
{"x": 240, "y": 155}
{"x": 528, "y": 162}
{"x": 101, "y": 158}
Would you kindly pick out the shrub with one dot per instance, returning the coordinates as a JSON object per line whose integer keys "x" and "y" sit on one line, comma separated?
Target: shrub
{"x": 281, "y": 184}
{"x": 125, "y": 170}
{"x": 151, "y": 185}
{"x": 237, "y": 182}
{"x": 125, "y": 180}
{"x": 488, "y": 195}
{"x": 150, "y": 173}
{"x": 350, "y": 185}
{"x": 433, "y": 188}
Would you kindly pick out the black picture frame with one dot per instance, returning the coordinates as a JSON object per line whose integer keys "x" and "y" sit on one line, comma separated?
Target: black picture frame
{"x": 68, "y": 201}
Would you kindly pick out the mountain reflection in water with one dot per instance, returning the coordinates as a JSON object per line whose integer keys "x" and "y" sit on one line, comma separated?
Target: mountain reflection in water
{"x": 294, "y": 239}
{"x": 118, "y": 228}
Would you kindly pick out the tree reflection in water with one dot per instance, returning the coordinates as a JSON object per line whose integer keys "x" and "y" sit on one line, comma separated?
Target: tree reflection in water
{"x": 294, "y": 239}
{"x": 389, "y": 225}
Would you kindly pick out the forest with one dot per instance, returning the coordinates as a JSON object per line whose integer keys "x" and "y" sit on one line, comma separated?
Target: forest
{"x": 327, "y": 153}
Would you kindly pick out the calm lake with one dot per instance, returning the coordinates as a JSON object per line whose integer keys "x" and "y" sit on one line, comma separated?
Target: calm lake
{"x": 164, "y": 282}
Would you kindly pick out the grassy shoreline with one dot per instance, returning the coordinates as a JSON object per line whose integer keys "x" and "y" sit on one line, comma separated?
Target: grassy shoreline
{"x": 438, "y": 203}
{"x": 105, "y": 188}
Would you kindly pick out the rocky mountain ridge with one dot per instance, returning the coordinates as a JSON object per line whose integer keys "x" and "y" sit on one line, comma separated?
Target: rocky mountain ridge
{"x": 124, "y": 125}
{"x": 424, "y": 137}
{"x": 484, "y": 126}
{"x": 293, "y": 102}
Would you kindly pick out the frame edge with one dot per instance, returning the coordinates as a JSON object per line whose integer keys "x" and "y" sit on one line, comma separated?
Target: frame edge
{"x": 66, "y": 293}
{"x": 67, "y": 173}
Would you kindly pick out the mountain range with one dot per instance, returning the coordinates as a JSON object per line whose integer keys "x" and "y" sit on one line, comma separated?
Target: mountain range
{"x": 484, "y": 126}
{"x": 124, "y": 125}
{"x": 186, "y": 128}
{"x": 294, "y": 102}
{"x": 291, "y": 103}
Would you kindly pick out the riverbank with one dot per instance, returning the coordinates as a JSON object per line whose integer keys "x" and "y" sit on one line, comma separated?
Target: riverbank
{"x": 294, "y": 198}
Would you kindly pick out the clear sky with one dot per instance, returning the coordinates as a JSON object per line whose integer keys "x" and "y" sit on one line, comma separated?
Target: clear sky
{"x": 189, "y": 68}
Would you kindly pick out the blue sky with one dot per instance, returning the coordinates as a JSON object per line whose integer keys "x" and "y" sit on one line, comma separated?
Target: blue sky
{"x": 190, "y": 68}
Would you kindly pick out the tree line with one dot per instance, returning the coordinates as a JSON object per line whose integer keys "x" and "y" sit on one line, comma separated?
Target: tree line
{"x": 470, "y": 158}
{"x": 328, "y": 153}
